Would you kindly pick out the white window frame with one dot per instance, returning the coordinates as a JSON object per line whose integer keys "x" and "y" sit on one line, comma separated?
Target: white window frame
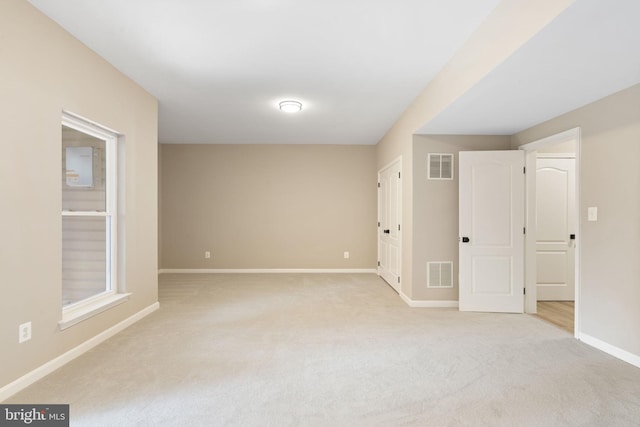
{"x": 114, "y": 290}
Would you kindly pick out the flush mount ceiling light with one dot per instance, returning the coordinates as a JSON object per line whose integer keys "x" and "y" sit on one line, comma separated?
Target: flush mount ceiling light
{"x": 290, "y": 106}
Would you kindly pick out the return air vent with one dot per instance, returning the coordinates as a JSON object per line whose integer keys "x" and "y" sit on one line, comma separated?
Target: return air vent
{"x": 440, "y": 274}
{"x": 440, "y": 166}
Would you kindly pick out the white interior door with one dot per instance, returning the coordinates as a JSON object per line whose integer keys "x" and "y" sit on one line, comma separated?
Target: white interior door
{"x": 491, "y": 225}
{"x": 556, "y": 228}
{"x": 389, "y": 232}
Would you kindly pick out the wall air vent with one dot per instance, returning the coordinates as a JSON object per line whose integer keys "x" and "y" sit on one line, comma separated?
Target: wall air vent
{"x": 440, "y": 274}
{"x": 440, "y": 166}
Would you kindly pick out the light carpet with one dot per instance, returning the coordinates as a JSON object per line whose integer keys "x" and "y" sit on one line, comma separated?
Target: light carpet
{"x": 335, "y": 350}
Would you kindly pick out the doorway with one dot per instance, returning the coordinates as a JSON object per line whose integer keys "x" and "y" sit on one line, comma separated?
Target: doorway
{"x": 555, "y": 225}
{"x": 552, "y": 243}
{"x": 389, "y": 228}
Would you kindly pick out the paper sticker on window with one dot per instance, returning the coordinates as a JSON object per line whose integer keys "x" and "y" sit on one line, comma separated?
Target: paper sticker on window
{"x": 79, "y": 166}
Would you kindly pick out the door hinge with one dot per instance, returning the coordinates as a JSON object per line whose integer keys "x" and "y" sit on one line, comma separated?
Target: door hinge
{"x": 398, "y": 174}
{"x": 398, "y": 227}
{"x": 378, "y": 263}
{"x": 524, "y": 230}
{"x": 378, "y": 223}
{"x": 378, "y": 185}
{"x": 398, "y": 279}
{"x": 524, "y": 291}
{"x": 524, "y": 169}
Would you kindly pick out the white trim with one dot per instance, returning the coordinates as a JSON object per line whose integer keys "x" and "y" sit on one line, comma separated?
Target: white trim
{"x": 85, "y": 213}
{"x": 530, "y": 260}
{"x": 86, "y": 309}
{"x": 556, "y": 155}
{"x": 530, "y": 285}
{"x": 578, "y": 278}
{"x": 614, "y": 351}
{"x": 44, "y": 370}
{"x": 428, "y": 304}
{"x": 72, "y": 314}
{"x": 265, "y": 270}
{"x": 86, "y": 125}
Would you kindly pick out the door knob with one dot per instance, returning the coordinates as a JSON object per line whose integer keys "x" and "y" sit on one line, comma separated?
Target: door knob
{"x": 465, "y": 240}
{"x": 386, "y": 231}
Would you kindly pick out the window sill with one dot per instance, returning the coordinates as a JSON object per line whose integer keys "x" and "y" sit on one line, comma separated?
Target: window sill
{"x": 76, "y": 315}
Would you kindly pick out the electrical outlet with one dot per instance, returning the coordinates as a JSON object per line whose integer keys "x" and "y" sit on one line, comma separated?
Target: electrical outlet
{"x": 346, "y": 254}
{"x": 24, "y": 332}
{"x": 207, "y": 254}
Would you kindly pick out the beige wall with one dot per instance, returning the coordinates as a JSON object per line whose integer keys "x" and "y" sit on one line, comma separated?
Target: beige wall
{"x": 435, "y": 208}
{"x": 44, "y": 70}
{"x": 568, "y": 147}
{"x": 268, "y": 206}
{"x": 610, "y": 180}
{"x": 485, "y": 50}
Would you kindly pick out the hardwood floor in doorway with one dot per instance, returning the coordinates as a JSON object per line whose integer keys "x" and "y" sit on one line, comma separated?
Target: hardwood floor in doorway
{"x": 560, "y": 313}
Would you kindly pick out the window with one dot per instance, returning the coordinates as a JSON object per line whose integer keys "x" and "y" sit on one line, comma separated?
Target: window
{"x": 89, "y": 220}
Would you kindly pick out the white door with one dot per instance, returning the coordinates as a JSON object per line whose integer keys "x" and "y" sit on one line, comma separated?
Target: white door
{"x": 491, "y": 225}
{"x": 556, "y": 228}
{"x": 389, "y": 232}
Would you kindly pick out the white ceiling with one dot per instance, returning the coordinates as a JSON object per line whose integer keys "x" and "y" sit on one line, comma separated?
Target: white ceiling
{"x": 588, "y": 52}
{"x": 218, "y": 68}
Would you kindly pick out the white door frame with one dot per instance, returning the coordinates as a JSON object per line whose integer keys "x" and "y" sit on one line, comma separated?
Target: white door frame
{"x": 397, "y": 160}
{"x": 531, "y": 297}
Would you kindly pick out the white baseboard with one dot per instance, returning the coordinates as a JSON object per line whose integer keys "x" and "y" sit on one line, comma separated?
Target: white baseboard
{"x": 621, "y": 354}
{"x": 428, "y": 304}
{"x": 44, "y": 370}
{"x": 266, "y": 270}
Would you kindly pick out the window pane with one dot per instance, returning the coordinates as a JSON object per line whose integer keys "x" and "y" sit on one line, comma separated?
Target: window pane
{"x": 83, "y": 172}
{"x": 84, "y": 257}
